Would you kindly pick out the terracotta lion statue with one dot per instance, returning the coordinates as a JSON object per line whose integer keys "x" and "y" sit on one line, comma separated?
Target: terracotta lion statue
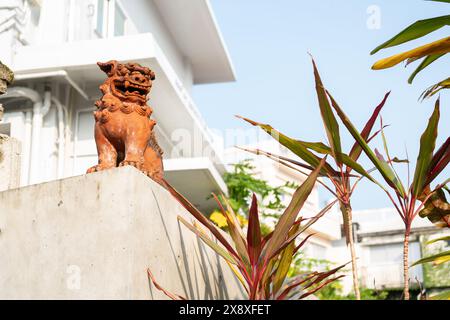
{"x": 123, "y": 128}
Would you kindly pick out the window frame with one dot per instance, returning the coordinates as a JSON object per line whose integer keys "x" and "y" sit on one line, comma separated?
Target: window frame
{"x": 109, "y": 19}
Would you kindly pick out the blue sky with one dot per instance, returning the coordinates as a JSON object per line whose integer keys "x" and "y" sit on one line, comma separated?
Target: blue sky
{"x": 269, "y": 41}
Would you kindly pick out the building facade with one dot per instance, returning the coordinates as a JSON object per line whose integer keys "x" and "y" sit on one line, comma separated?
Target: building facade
{"x": 53, "y": 47}
{"x": 380, "y": 235}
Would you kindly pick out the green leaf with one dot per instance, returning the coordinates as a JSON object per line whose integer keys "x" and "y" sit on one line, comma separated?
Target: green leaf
{"x": 415, "y": 31}
{"x": 445, "y": 1}
{"x": 289, "y": 216}
{"x": 436, "y": 258}
{"x": 425, "y": 63}
{"x": 295, "y": 147}
{"x": 329, "y": 121}
{"x": 310, "y": 222}
{"x": 386, "y": 149}
{"x": 444, "y": 295}
{"x": 284, "y": 263}
{"x": 427, "y": 145}
{"x": 446, "y": 238}
{"x": 385, "y": 171}
{"x": 431, "y": 91}
{"x": 446, "y": 189}
{"x": 347, "y": 160}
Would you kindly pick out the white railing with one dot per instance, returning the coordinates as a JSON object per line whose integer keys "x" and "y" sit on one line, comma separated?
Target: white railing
{"x": 388, "y": 275}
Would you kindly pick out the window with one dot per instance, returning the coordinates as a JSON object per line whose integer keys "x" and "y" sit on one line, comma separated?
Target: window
{"x": 100, "y": 17}
{"x": 119, "y": 21}
{"x": 111, "y": 19}
{"x": 84, "y": 149}
{"x": 386, "y": 253}
{"x": 316, "y": 251}
{"x": 385, "y": 264}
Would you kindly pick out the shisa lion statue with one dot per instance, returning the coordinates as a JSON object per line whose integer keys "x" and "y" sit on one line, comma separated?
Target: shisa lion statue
{"x": 123, "y": 129}
{"x": 6, "y": 78}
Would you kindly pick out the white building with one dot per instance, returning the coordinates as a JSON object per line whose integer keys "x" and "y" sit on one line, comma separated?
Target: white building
{"x": 380, "y": 235}
{"x": 53, "y": 47}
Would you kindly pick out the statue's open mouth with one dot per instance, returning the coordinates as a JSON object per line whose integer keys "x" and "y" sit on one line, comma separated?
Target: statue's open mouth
{"x": 128, "y": 88}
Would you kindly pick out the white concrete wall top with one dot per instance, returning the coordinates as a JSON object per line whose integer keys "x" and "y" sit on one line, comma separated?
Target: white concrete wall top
{"x": 94, "y": 236}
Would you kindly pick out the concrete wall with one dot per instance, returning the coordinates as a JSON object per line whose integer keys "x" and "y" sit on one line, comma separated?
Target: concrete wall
{"x": 9, "y": 163}
{"x": 94, "y": 236}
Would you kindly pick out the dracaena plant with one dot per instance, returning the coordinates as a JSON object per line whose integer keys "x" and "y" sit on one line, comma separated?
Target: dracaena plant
{"x": 437, "y": 259}
{"x": 261, "y": 263}
{"x": 341, "y": 174}
{"x": 429, "y": 53}
{"x": 418, "y": 196}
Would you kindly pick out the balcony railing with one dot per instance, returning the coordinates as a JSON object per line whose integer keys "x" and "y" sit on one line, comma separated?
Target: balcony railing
{"x": 388, "y": 275}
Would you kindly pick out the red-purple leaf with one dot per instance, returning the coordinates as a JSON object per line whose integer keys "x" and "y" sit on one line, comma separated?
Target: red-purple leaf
{"x": 440, "y": 160}
{"x": 356, "y": 150}
{"x": 254, "y": 232}
{"x": 303, "y": 242}
{"x": 172, "y": 296}
{"x": 425, "y": 157}
{"x": 200, "y": 217}
{"x": 323, "y": 275}
{"x": 297, "y": 283}
{"x": 320, "y": 287}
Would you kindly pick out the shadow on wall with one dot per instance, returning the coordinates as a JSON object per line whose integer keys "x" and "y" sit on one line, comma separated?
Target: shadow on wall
{"x": 198, "y": 262}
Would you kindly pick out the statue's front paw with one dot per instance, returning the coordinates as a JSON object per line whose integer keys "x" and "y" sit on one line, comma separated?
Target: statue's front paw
{"x": 94, "y": 169}
{"x": 136, "y": 164}
{"x": 98, "y": 167}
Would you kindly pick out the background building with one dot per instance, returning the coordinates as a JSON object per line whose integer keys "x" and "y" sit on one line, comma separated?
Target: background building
{"x": 53, "y": 47}
{"x": 380, "y": 248}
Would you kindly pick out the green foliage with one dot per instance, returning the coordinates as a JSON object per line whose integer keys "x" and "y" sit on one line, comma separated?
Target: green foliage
{"x": 429, "y": 53}
{"x": 334, "y": 291}
{"x": 241, "y": 184}
{"x": 435, "y": 274}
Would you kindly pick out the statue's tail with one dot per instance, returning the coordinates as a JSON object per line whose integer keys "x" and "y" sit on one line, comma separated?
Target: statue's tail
{"x": 152, "y": 143}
